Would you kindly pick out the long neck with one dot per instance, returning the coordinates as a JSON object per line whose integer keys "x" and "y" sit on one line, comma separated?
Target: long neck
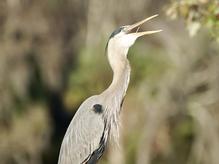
{"x": 121, "y": 74}
{"x": 115, "y": 93}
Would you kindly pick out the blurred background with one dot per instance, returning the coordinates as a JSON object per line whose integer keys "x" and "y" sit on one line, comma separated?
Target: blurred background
{"x": 52, "y": 57}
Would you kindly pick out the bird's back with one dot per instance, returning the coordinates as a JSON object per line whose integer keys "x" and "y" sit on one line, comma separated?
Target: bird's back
{"x": 84, "y": 140}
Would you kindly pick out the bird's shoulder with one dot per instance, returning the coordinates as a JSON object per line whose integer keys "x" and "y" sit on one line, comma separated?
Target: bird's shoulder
{"x": 89, "y": 113}
{"x": 92, "y": 105}
{"x": 85, "y": 130}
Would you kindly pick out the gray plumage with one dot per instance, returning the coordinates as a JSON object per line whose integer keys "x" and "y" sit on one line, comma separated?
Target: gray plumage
{"x": 97, "y": 119}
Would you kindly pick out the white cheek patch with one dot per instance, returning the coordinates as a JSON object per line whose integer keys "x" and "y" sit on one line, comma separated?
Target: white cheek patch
{"x": 128, "y": 40}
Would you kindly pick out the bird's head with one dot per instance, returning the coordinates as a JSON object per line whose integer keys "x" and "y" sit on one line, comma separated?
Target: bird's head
{"x": 125, "y": 36}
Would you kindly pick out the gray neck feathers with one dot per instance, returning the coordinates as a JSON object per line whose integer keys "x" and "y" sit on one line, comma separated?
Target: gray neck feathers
{"x": 115, "y": 93}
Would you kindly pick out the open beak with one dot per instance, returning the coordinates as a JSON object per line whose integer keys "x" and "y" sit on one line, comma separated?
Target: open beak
{"x": 137, "y": 25}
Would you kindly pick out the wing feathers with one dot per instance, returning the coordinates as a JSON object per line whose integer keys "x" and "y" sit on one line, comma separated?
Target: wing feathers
{"x": 84, "y": 141}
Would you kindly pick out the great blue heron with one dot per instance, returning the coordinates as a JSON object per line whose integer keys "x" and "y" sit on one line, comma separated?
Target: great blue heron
{"x": 97, "y": 117}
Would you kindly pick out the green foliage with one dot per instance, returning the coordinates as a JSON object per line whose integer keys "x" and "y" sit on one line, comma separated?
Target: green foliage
{"x": 131, "y": 147}
{"x": 197, "y": 14}
{"x": 147, "y": 63}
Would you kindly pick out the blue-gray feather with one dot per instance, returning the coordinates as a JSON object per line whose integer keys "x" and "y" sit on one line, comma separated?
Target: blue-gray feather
{"x": 84, "y": 135}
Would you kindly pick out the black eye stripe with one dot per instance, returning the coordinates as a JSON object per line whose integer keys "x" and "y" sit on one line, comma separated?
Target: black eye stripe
{"x": 118, "y": 30}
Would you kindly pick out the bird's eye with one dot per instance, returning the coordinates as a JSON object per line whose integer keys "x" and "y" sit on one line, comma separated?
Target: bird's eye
{"x": 124, "y": 29}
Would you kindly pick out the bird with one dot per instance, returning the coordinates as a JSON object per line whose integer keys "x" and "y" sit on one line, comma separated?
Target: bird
{"x": 97, "y": 119}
